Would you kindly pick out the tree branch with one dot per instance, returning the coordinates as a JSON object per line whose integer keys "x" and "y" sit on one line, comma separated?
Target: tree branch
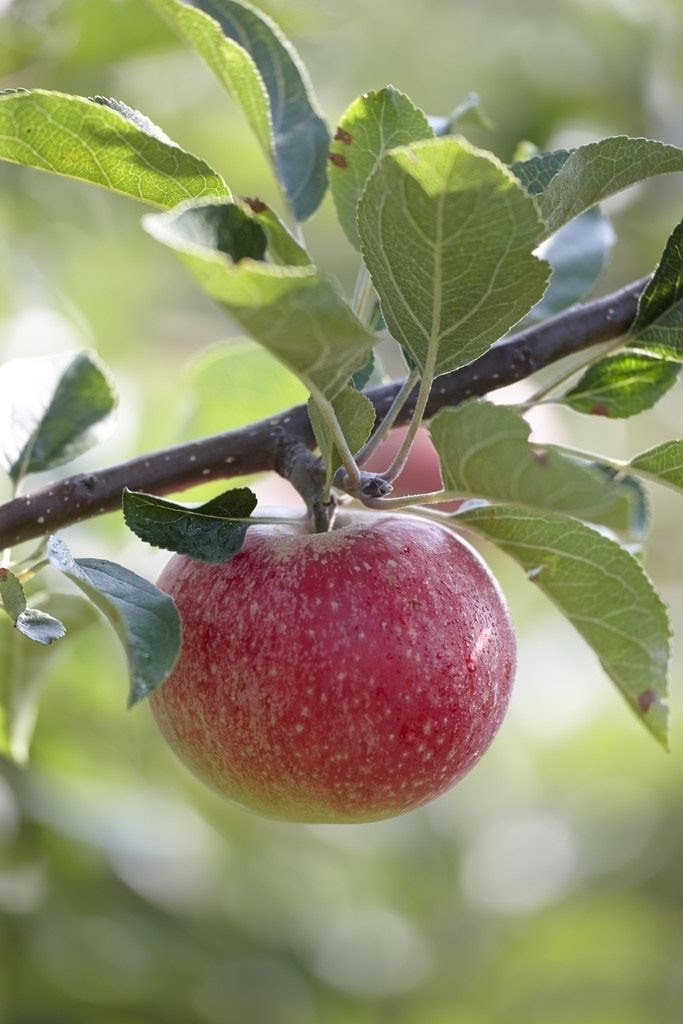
{"x": 272, "y": 444}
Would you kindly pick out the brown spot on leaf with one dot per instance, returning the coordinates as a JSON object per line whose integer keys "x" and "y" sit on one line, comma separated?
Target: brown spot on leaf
{"x": 343, "y": 136}
{"x": 338, "y": 159}
{"x": 541, "y": 457}
{"x": 646, "y": 699}
{"x": 256, "y": 204}
{"x": 3, "y": 575}
{"x": 599, "y": 410}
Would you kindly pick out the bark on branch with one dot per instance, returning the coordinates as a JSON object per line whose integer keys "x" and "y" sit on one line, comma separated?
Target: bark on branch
{"x": 270, "y": 444}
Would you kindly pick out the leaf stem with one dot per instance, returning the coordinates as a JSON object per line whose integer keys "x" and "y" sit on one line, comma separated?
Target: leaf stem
{"x": 348, "y": 461}
{"x": 32, "y": 571}
{"x": 389, "y": 419}
{"x": 408, "y": 500}
{"x": 401, "y": 456}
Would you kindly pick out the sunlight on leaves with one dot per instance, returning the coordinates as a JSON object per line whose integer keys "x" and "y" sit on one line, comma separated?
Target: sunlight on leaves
{"x": 54, "y": 409}
{"x": 98, "y": 143}
{"x": 622, "y": 384}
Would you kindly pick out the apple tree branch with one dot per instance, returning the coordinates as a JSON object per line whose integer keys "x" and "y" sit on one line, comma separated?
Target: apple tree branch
{"x": 284, "y": 442}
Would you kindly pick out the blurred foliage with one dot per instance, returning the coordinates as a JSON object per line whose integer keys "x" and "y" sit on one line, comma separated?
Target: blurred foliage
{"x": 547, "y": 886}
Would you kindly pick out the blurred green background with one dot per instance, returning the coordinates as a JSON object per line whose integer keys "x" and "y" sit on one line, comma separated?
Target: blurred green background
{"x": 548, "y": 887}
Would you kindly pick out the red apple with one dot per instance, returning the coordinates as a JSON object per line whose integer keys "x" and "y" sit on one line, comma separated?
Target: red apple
{"x": 337, "y": 677}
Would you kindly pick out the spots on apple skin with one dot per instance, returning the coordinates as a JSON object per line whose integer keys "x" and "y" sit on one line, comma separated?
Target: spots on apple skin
{"x": 383, "y": 730}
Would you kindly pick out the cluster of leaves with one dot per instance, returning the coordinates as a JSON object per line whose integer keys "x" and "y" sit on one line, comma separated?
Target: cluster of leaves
{"x": 455, "y": 248}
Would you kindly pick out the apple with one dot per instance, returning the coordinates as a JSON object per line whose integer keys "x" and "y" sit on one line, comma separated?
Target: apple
{"x": 345, "y": 676}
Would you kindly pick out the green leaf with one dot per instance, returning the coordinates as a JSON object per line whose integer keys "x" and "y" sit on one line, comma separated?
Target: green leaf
{"x": 356, "y": 415}
{"x": 212, "y": 532}
{"x": 536, "y": 173}
{"x": 485, "y": 453}
{"x": 54, "y": 408}
{"x": 32, "y": 623}
{"x": 362, "y": 377}
{"x": 602, "y": 590}
{"x": 622, "y": 385}
{"x": 144, "y": 618}
{"x": 447, "y": 235}
{"x": 577, "y": 253}
{"x": 225, "y": 228}
{"x": 283, "y": 248}
{"x": 99, "y": 143}
{"x": 569, "y": 182}
{"x": 368, "y": 129}
{"x": 658, "y": 326}
{"x": 39, "y": 626}
{"x": 663, "y": 463}
{"x": 137, "y": 118}
{"x": 263, "y": 73}
{"x": 11, "y": 594}
{"x": 295, "y": 312}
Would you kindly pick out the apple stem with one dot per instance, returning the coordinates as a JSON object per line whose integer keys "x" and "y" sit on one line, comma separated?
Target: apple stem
{"x": 324, "y": 513}
{"x": 306, "y": 472}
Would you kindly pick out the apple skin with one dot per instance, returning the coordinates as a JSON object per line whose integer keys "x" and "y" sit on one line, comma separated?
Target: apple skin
{"x": 339, "y": 677}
